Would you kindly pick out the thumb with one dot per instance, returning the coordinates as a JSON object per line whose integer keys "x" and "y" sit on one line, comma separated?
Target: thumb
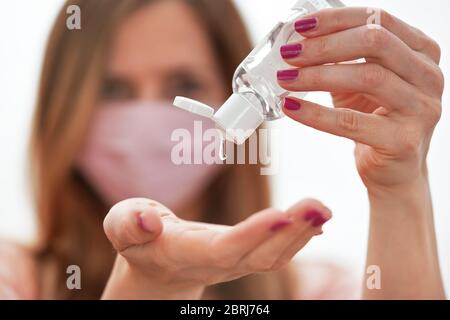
{"x": 132, "y": 222}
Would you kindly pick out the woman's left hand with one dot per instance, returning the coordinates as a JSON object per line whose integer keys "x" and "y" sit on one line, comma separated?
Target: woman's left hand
{"x": 388, "y": 105}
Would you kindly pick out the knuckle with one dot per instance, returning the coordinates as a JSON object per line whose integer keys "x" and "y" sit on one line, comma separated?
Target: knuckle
{"x": 347, "y": 120}
{"x": 435, "y": 115}
{"x": 316, "y": 116}
{"x": 373, "y": 75}
{"x": 436, "y": 49}
{"x": 436, "y": 110}
{"x": 409, "y": 140}
{"x": 430, "y": 111}
{"x": 375, "y": 38}
{"x": 427, "y": 44}
{"x": 322, "y": 47}
{"x": 434, "y": 76}
{"x": 315, "y": 76}
{"x": 441, "y": 79}
{"x": 338, "y": 20}
{"x": 386, "y": 18}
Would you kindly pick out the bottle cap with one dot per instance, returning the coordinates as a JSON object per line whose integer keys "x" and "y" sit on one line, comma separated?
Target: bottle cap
{"x": 238, "y": 118}
{"x": 194, "y": 106}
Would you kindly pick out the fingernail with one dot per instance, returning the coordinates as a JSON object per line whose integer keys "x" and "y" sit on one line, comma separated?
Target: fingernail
{"x": 141, "y": 223}
{"x": 280, "y": 225}
{"x": 287, "y": 75}
{"x": 305, "y": 24}
{"x": 290, "y": 51}
{"x": 291, "y": 104}
{"x": 319, "y": 221}
{"x": 315, "y": 217}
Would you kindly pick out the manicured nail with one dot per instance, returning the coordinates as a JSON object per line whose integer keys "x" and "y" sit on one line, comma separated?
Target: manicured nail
{"x": 290, "y": 51}
{"x": 141, "y": 223}
{"x": 315, "y": 217}
{"x": 287, "y": 75}
{"x": 291, "y": 104}
{"x": 277, "y": 226}
{"x": 305, "y": 25}
{"x": 319, "y": 221}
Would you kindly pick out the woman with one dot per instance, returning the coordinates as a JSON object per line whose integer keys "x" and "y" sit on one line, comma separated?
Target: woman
{"x": 89, "y": 153}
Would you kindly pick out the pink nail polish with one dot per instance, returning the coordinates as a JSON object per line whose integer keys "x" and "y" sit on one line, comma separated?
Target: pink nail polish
{"x": 277, "y": 226}
{"x": 287, "y": 75}
{"x": 291, "y": 104}
{"x": 305, "y": 25}
{"x": 315, "y": 217}
{"x": 290, "y": 51}
{"x": 319, "y": 221}
{"x": 141, "y": 224}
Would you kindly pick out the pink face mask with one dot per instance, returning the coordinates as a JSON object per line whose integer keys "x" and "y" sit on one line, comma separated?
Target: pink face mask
{"x": 128, "y": 154}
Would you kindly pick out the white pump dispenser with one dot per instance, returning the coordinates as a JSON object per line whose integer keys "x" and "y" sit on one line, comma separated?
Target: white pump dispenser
{"x": 256, "y": 94}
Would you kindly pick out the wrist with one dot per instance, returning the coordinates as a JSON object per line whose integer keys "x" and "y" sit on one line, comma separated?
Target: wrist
{"x": 412, "y": 190}
{"x": 411, "y": 201}
{"x": 126, "y": 283}
{"x": 402, "y": 241}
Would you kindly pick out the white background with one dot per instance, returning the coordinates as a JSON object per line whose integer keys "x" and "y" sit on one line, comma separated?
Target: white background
{"x": 313, "y": 164}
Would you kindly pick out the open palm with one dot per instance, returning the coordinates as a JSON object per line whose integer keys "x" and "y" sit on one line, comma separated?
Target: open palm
{"x": 174, "y": 252}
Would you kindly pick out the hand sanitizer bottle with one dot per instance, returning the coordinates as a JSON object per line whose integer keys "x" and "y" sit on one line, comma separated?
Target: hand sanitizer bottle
{"x": 256, "y": 94}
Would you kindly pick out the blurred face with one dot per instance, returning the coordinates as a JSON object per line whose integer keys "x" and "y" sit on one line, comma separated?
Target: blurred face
{"x": 159, "y": 52}
{"x": 162, "y": 51}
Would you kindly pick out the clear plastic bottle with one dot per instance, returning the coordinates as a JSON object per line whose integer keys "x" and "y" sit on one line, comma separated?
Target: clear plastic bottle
{"x": 256, "y": 94}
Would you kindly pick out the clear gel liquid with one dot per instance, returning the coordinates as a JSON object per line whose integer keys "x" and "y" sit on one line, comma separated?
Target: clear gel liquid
{"x": 222, "y": 149}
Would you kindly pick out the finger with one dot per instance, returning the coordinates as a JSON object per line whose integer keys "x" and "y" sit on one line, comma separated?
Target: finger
{"x": 234, "y": 244}
{"x": 354, "y": 125}
{"x": 368, "y": 78}
{"x": 317, "y": 218}
{"x": 379, "y": 45}
{"x": 200, "y": 244}
{"x": 339, "y": 19}
{"x": 189, "y": 242}
{"x": 132, "y": 222}
{"x": 307, "y": 218}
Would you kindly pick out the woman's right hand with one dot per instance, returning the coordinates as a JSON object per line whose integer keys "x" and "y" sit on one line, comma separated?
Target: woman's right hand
{"x": 164, "y": 257}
